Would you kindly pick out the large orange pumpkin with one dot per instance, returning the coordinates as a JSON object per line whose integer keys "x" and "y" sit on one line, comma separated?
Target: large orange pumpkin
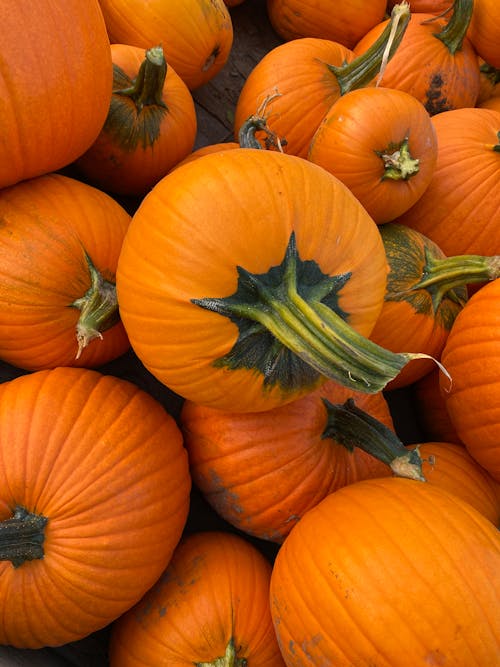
{"x": 262, "y": 471}
{"x": 247, "y": 276}
{"x": 150, "y": 127}
{"x": 94, "y": 495}
{"x": 209, "y": 608}
{"x": 196, "y": 35}
{"x": 59, "y": 245}
{"x": 55, "y": 84}
{"x": 389, "y": 572}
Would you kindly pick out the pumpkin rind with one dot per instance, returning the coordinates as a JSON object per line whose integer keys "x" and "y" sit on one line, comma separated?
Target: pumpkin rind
{"x": 114, "y": 486}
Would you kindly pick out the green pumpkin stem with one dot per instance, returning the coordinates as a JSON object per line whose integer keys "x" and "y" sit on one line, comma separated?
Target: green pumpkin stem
{"x": 352, "y": 427}
{"x": 147, "y": 87}
{"x": 454, "y": 32}
{"x": 364, "y": 68}
{"x": 98, "y": 309}
{"x": 399, "y": 165}
{"x": 229, "y": 659}
{"x": 304, "y": 325}
{"x": 258, "y": 122}
{"x": 22, "y": 537}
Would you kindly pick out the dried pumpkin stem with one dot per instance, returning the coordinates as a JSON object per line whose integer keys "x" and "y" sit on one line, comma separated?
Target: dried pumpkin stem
{"x": 22, "y": 537}
{"x": 363, "y": 69}
{"x": 399, "y": 165}
{"x": 98, "y": 306}
{"x": 229, "y": 659}
{"x": 352, "y": 427}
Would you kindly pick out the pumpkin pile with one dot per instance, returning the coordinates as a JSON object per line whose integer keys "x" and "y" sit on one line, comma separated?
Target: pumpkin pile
{"x": 228, "y": 327}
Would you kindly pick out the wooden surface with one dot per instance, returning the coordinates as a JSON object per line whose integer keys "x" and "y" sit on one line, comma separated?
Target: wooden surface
{"x": 215, "y": 103}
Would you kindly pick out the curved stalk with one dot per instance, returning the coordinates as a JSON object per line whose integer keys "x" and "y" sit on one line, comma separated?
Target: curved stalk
{"x": 454, "y": 32}
{"x": 22, "y": 537}
{"x": 352, "y": 427}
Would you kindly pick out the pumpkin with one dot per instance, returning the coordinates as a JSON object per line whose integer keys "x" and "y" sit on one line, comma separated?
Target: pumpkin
{"x": 490, "y": 78}
{"x": 459, "y": 209}
{"x": 435, "y": 62}
{"x": 492, "y": 103}
{"x": 281, "y": 281}
{"x": 484, "y": 31}
{"x": 59, "y": 245}
{"x": 93, "y": 500}
{"x": 293, "y": 19}
{"x": 425, "y": 292}
{"x": 150, "y": 127}
{"x": 430, "y": 406}
{"x": 55, "y": 85}
{"x": 425, "y": 6}
{"x": 196, "y": 35}
{"x": 450, "y": 466}
{"x": 473, "y": 361}
{"x": 262, "y": 471}
{"x": 381, "y": 143}
{"x": 391, "y": 572}
{"x": 305, "y": 77}
{"x": 209, "y": 608}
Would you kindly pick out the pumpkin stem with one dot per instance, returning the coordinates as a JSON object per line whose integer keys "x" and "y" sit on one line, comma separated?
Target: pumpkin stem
{"x": 229, "y": 659}
{"x": 352, "y": 427}
{"x": 22, "y": 537}
{"x": 147, "y": 87}
{"x": 258, "y": 122}
{"x": 99, "y": 308}
{"x": 362, "y": 70}
{"x": 496, "y": 147}
{"x": 294, "y": 308}
{"x": 398, "y": 162}
{"x": 454, "y": 32}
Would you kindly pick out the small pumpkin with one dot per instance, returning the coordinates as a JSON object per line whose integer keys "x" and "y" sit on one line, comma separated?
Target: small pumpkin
{"x": 381, "y": 143}
{"x": 306, "y": 76}
{"x": 150, "y": 127}
{"x": 60, "y": 242}
{"x": 93, "y": 501}
{"x": 55, "y": 85}
{"x": 262, "y": 471}
{"x": 472, "y": 359}
{"x": 425, "y": 292}
{"x": 281, "y": 281}
{"x": 196, "y": 35}
{"x": 435, "y": 62}
{"x": 209, "y": 608}
{"x": 388, "y": 572}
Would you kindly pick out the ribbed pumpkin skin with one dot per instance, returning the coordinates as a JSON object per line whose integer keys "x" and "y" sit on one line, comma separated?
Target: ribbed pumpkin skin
{"x": 55, "y": 92}
{"x": 472, "y": 357}
{"x": 484, "y": 31}
{"x": 112, "y": 165}
{"x": 358, "y": 127}
{"x": 105, "y": 463}
{"x": 388, "y": 573}
{"x": 262, "y": 494}
{"x": 460, "y": 208}
{"x": 298, "y": 71}
{"x": 237, "y": 208}
{"x": 450, "y": 466}
{"x": 347, "y": 23}
{"x": 216, "y": 588}
{"x": 424, "y": 67}
{"x": 196, "y": 35}
{"x": 48, "y": 224}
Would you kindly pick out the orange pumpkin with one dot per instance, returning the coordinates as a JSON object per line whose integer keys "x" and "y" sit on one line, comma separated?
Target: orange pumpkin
{"x": 281, "y": 281}
{"x": 425, "y": 292}
{"x": 435, "y": 62}
{"x": 305, "y": 77}
{"x": 196, "y": 35}
{"x": 262, "y": 471}
{"x": 93, "y": 500}
{"x": 381, "y": 143}
{"x": 431, "y": 413}
{"x": 350, "y": 20}
{"x": 459, "y": 209}
{"x": 389, "y": 572}
{"x": 425, "y": 6}
{"x": 55, "y": 85}
{"x": 59, "y": 245}
{"x": 484, "y": 30}
{"x": 210, "y": 608}
{"x": 471, "y": 356}
{"x": 151, "y": 124}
